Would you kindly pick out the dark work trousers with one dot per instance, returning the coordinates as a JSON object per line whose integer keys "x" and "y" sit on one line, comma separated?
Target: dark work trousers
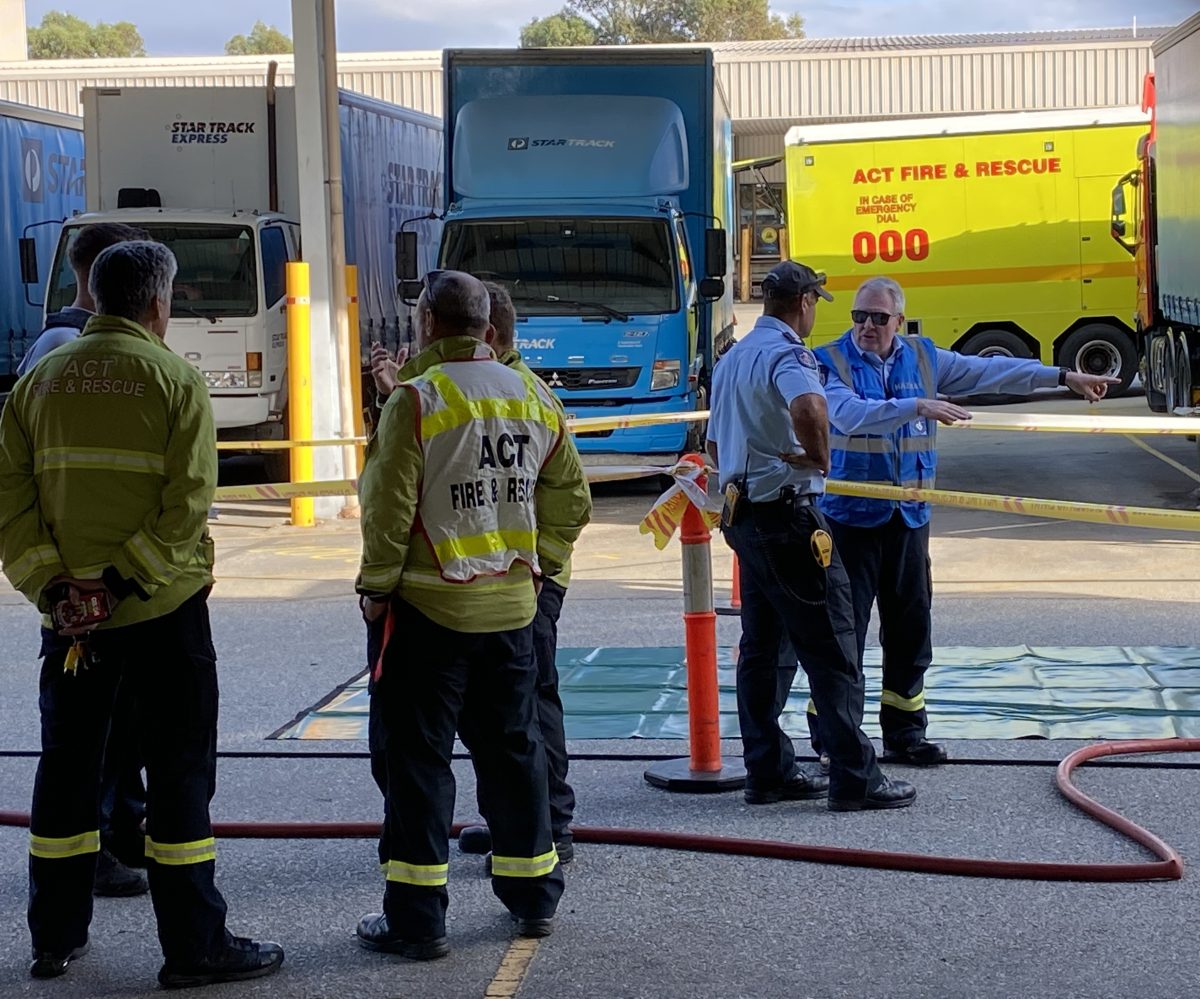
{"x": 787, "y": 593}
{"x": 122, "y": 792}
{"x": 550, "y": 708}
{"x": 435, "y": 681}
{"x": 889, "y": 565}
{"x": 168, "y": 666}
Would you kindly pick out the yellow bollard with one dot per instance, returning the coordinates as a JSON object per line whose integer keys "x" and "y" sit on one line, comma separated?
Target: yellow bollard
{"x": 300, "y": 395}
{"x": 356, "y": 370}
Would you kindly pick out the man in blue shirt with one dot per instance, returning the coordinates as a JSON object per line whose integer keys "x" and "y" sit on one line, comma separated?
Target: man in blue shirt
{"x": 882, "y": 394}
{"x": 769, "y": 434}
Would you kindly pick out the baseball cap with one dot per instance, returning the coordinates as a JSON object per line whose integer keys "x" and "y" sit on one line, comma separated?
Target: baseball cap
{"x": 789, "y": 279}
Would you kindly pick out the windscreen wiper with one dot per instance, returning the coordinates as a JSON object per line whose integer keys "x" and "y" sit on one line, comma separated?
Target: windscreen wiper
{"x": 608, "y": 310}
{"x": 176, "y": 307}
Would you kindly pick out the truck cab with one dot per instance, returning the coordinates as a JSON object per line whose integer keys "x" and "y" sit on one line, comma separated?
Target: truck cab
{"x": 599, "y": 205}
{"x": 228, "y": 310}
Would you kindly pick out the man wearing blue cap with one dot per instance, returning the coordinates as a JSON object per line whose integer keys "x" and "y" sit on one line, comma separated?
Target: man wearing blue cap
{"x": 769, "y": 435}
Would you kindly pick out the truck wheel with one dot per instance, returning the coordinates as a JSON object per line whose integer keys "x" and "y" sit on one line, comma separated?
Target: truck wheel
{"x": 1183, "y": 372}
{"x": 1097, "y": 349}
{"x": 1153, "y": 375}
{"x": 996, "y": 343}
{"x": 278, "y": 466}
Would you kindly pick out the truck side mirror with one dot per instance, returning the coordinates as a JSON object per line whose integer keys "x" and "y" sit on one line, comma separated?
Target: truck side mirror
{"x": 1118, "y": 228}
{"x": 410, "y": 290}
{"x": 27, "y": 249}
{"x": 712, "y": 288}
{"x": 1118, "y": 200}
{"x": 716, "y": 254}
{"x": 406, "y": 255}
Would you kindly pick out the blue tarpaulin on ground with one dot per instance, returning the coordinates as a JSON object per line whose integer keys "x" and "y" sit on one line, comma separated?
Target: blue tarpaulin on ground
{"x": 1014, "y": 692}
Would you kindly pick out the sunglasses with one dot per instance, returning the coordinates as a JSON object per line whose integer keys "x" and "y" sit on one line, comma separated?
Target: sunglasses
{"x": 860, "y": 316}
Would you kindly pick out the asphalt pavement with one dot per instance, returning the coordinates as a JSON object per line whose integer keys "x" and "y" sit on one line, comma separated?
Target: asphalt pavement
{"x": 639, "y": 922}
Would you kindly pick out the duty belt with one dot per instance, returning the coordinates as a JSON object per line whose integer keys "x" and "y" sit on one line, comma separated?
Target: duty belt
{"x": 788, "y": 499}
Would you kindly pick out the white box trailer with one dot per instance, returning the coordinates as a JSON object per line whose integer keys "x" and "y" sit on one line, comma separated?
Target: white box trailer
{"x": 212, "y": 172}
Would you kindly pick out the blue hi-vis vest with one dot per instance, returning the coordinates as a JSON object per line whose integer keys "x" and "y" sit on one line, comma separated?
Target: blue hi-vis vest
{"x": 905, "y": 457}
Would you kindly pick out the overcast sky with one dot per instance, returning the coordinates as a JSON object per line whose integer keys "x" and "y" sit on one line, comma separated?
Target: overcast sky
{"x": 176, "y": 28}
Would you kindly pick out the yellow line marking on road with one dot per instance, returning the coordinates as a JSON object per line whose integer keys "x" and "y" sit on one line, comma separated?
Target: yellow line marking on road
{"x": 513, "y": 969}
{"x": 1178, "y": 466}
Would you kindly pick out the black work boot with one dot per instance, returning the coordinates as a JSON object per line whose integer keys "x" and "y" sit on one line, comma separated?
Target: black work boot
{"x": 889, "y": 794}
{"x": 48, "y": 964}
{"x": 115, "y": 880}
{"x": 475, "y": 839}
{"x": 917, "y": 754}
{"x": 241, "y": 959}
{"x": 801, "y": 786}
{"x": 374, "y": 933}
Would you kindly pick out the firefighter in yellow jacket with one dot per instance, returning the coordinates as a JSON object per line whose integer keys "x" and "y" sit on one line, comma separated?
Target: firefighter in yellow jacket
{"x": 472, "y": 496}
{"x": 107, "y": 469}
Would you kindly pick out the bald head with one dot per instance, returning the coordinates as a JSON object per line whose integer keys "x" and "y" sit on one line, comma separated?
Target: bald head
{"x": 453, "y": 304}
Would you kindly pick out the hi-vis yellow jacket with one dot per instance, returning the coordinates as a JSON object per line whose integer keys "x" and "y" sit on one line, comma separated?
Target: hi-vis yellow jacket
{"x": 108, "y": 458}
{"x": 472, "y": 483}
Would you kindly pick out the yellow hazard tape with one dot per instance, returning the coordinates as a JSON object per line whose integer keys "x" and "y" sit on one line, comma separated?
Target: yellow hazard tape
{"x": 284, "y": 445}
{"x": 1093, "y": 513}
{"x": 349, "y": 487}
{"x": 1065, "y": 423}
{"x": 591, "y": 424}
{"x": 1042, "y": 422}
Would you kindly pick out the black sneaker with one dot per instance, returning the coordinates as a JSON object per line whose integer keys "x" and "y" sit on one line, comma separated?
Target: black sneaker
{"x": 374, "y": 934}
{"x": 115, "y": 880}
{"x": 242, "y": 959}
{"x": 889, "y": 794}
{"x": 47, "y": 964}
{"x": 919, "y": 754}
{"x": 800, "y": 786}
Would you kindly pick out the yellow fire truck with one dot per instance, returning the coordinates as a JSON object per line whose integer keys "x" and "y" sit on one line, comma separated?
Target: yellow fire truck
{"x": 995, "y": 226}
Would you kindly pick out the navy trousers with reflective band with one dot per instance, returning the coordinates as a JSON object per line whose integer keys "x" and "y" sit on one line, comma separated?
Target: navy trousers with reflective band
{"x": 889, "y": 565}
{"x": 122, "y": 792}
{"x": 435, "y": 681}
{"x": 550, "y": 707}
{"x": 169, "y": 668}
{"x": 786, "y": 592}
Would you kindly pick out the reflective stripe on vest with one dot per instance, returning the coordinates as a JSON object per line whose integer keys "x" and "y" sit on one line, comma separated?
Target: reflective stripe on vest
{"x": 485, "y": 430}
{"x": 905, "y": 457}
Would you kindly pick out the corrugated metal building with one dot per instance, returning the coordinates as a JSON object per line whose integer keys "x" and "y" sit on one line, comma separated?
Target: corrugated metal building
{"x": 771, "y": 85}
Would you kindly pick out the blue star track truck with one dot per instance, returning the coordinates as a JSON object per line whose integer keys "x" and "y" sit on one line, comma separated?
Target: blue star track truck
{"x": 595, "y": 185}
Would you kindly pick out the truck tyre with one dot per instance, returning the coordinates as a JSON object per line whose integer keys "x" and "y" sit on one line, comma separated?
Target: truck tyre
{"x": 1183, "y": 372}
{"x": 1099, "y": 349}
{"x": 278, "y": 466}
{"x": 1152, "y": 372}
{"x": 995, "y": 343}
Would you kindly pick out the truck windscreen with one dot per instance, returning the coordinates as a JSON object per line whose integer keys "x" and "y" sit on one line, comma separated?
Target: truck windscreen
{"x": 218, "y": 274}
{"x": 550, "y": 266}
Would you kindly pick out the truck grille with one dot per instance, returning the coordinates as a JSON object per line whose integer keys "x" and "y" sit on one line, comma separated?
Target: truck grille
{"x": 588, "y": 379}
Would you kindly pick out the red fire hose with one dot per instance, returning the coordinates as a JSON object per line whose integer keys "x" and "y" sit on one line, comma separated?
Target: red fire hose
{"x": 1169, "y": 866}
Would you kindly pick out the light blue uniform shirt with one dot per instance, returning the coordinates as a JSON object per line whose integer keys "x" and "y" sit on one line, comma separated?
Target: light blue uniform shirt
{"x": 957, "y": 374}
{"x": 50, "y": 339}
{"x": 753, "y": 384}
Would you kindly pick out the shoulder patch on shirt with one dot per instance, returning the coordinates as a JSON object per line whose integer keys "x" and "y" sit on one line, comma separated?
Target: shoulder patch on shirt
{"x": 822, "y": 373}
{"x": 805, "y": 357}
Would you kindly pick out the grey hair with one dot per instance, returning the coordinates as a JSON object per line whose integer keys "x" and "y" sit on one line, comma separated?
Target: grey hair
{"x": 128, "y": 277}
{"x": 459, "y": 301}
{"x": 884, "y": 284}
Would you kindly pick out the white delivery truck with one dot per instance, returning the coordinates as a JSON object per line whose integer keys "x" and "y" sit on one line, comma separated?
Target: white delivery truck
{"x": 212, "y": 173}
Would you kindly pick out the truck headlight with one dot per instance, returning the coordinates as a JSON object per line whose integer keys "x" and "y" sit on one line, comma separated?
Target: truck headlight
{"x": 664, "y": 375}
{"x": 225, "y": 379}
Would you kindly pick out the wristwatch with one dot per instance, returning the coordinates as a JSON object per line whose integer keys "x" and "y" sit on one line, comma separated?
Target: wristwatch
{"x": 1062, "y": 375}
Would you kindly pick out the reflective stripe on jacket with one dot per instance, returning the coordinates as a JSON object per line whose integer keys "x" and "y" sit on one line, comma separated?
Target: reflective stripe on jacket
{"x": 485, "y": 433}
{"x": 108, "y": 458}
{"x": 906, "y": 457}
